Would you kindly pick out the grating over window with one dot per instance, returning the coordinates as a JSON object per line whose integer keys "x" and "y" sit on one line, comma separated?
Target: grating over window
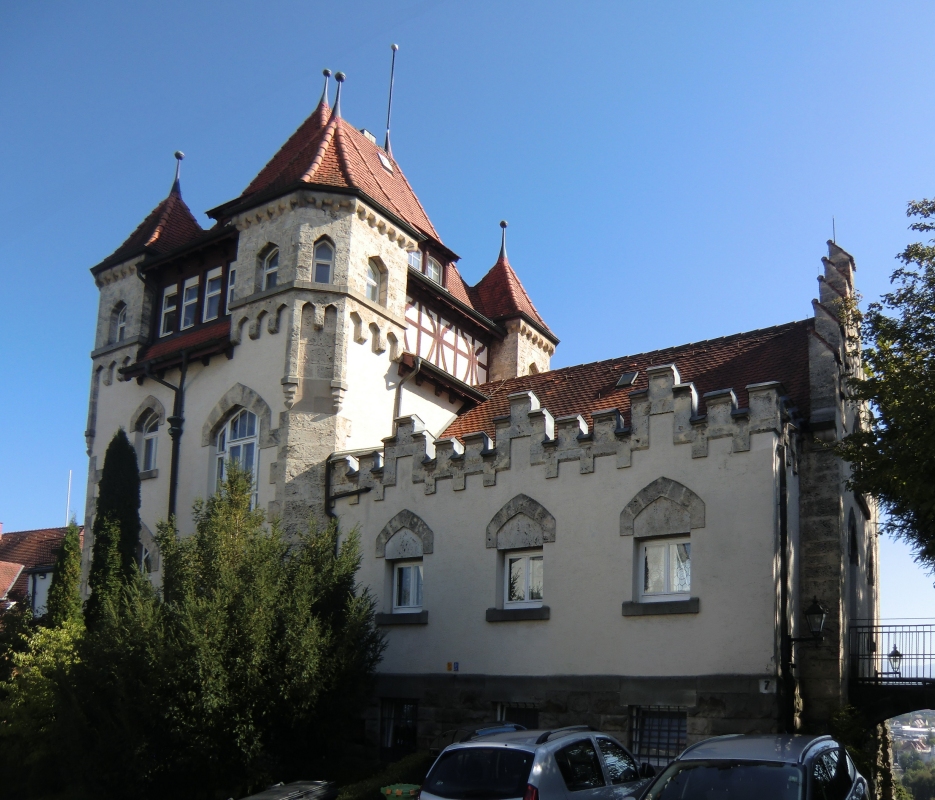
{"x": 398, "y": 727}
{"x": 658, "y": 733}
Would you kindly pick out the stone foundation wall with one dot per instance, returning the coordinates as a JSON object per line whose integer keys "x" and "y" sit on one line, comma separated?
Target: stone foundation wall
{"x": 715, "y": 704}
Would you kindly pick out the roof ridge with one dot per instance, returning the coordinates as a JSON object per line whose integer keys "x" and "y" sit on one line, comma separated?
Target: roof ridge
{"x": 4, "y": 534}
{"x": 340, "y": 144}
{"x": 635, "y": 356}
{"x": 326, "y": 138}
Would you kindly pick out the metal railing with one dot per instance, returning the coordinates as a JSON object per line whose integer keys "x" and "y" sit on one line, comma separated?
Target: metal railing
{"x": 892, "y": 654}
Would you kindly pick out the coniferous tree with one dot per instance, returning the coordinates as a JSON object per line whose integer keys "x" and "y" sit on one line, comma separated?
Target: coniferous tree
{"x": 117, "y": 525}
{"x": 64, "y": 601}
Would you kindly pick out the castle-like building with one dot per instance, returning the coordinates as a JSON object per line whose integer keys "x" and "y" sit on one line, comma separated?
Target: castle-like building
{"x": 630, "y": 543}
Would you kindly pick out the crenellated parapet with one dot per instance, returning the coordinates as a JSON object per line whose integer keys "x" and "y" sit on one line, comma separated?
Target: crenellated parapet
{"x": 567, "y": 439}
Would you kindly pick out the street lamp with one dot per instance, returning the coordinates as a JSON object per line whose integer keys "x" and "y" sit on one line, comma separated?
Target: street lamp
{"x": 815, "y": 619}
{"x": 895, "y": 658}
{"x": 815, "y": 616}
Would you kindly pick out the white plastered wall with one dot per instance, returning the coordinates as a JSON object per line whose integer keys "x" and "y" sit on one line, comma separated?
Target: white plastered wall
{"x": 589, "y": 569}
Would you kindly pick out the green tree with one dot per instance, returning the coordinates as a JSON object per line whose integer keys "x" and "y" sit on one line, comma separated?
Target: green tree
{"x": 249, "y": 667}
{"x": 64, "y": 601}
{"x": 892, "y": 451}
{"x": 116, "y": 527}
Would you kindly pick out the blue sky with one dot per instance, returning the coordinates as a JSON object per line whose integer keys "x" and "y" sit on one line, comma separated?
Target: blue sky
{"x": 669, "y": 170}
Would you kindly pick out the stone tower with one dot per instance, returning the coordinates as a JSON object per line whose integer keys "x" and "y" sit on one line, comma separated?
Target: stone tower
{"x": 321, "y": 305}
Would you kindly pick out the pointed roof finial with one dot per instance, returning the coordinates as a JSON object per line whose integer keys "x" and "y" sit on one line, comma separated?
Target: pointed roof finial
{"x": 324, "y": 92}
{"x": 339, "y": 77}
{"x": 389, "y": 107}
{"x": 503, "y": 257}
{"x": 177, "y": 186}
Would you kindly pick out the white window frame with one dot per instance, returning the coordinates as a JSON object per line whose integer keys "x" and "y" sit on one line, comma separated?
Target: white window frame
{"x": 189, "y": 302}
{"x": 374, "y": 285}
{"x": 433, "y": 270}
{"x": 215, "y": 274}
{"x": 227, "y": 442}
{"x": 231, "y": 282}
{"x": 415, "y": 259}
{"x": 271, "y": 269}
{"x": 150, "y": 446}
{"x": 668, "y": 594}
{"x": 413, "y": 608}
{"x": 170, "y": 293}
{"x": 527, "y": 556}
{"x": 324, "y": 262}
{"x": 121, "y": 333}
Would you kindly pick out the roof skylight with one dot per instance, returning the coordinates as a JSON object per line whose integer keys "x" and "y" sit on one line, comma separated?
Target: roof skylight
{"x": 387, "y": 164}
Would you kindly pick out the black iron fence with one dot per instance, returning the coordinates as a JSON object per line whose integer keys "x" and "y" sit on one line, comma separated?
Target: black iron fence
{"x": 892, "y": 654}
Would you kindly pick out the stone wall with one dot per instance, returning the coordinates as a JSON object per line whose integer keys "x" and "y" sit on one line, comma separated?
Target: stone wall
{"x": 524, "y": 351}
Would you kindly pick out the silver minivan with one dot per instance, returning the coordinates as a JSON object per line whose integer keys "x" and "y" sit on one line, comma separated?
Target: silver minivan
{"x": 574, "y": 763}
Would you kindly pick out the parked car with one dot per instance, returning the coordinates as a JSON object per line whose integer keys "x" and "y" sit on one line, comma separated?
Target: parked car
{"x": 510, "y": 763}
{"x": 761, "y": 768}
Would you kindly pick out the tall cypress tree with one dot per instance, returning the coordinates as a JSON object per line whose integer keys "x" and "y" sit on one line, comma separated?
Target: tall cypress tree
{"x": 116, "y": 523}
{"x": 64, "y": 601}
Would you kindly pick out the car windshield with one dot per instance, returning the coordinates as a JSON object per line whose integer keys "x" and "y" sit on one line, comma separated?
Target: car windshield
{"x": 497, "y": 773}
{"x": 728, "y": 780}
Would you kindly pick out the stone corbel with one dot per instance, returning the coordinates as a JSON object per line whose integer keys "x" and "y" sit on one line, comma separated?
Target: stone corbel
{"x": 338, "y": 390}
{"x": 290, "y": 386}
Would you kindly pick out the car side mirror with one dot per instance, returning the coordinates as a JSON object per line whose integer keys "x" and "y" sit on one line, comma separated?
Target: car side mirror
{"x": 647, "y": 770}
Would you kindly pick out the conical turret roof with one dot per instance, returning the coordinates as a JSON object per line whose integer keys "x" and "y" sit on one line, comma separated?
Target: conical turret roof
{"x": 328, "y": 151}
{"x": 169, "y": 225}
{"x": 500, "y": 295}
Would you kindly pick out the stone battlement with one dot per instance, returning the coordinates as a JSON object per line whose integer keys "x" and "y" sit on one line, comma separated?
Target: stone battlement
{"x": 565, "y": 439}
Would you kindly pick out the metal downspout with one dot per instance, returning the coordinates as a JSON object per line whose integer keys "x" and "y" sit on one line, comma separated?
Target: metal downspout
{"x": 176, "y": 422}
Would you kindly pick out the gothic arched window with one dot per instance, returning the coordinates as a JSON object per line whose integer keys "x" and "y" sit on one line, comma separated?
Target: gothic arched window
{"x": 237, "y": 442}
{"x": 324, "y": 262}
{"x": 148, "y": 428}
{"x": 121, "y": 323}
{"x": 271, "y": 268}
{"x": 374, "y": 282}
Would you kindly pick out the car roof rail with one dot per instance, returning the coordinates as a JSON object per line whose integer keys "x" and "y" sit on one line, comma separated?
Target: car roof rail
{"x": 546, "y": 735}
{"x": 489, "y": 730}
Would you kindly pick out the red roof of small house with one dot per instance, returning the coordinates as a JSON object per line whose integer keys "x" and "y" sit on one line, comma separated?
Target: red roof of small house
{"x": 732, "y": 362}
{"x": 500, "y": 295}
{"x": 169, "y": 225}
{"x": 327, "y": 151}
{"x": 31, "y": 549}
{"x": 9, "y": 572}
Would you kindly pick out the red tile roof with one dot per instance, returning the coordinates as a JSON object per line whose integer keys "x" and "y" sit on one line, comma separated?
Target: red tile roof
{"x": 9, "y": 572}
{"x": 168, "y": 226}
{"x": 500, "y": 295}
{"x": 207, "y": 333}
{"x": 732, "y": 362}
{"x": 327, "y": 151}
{"x": 30, "y": 549}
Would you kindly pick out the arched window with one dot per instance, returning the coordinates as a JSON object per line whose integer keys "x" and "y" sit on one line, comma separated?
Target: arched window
{"x": 149, "y": 429}
{"x": 271, "y": 268}
{"x": 374, "y": 281}
{"x": 324, "y": 262}
{"x": 433, "y": 270}
{"x": 121, "y": 331}
{"x": 237, "y": 442}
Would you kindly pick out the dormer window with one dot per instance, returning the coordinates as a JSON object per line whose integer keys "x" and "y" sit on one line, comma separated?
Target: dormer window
{"x": 190, "y": 303}
{"x": 170, "y": 302}
{"x": 324, "y": 262}
{"x": 121, "y": 330}
{"x": 415, "y": 259}
{"x": 213, "y": 287}
{"x": 433, "y": 270}
{"x": 271, "y": 268}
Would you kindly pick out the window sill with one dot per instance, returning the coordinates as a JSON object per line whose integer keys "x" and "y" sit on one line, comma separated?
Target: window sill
{"x": 403, "y": 618}
{"x": 690, "y": 606}
{"x": 517, "y": 614}
{"x": 146, "y": 474}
